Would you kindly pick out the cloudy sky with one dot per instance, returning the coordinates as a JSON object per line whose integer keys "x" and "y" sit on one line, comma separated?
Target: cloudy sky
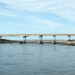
{"x": 37, "y": 16}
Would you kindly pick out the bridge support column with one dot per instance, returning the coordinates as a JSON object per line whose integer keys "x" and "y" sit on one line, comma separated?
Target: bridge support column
{"x": 40, "y": 41}
{"x": 0, "y": 37}
{"x": 54, "y": 41}
{"x": 24, "y": 39}
{"x": 69, "y": 36}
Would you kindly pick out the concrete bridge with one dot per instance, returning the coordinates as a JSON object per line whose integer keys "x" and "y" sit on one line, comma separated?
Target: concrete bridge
{"x": 38, "y": 35}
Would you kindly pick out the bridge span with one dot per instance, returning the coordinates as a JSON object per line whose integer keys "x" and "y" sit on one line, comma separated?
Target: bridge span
{"x": 38, "y": 35}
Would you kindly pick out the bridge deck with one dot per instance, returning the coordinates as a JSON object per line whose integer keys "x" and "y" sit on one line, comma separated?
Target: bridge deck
{"x": 10, "y": 35}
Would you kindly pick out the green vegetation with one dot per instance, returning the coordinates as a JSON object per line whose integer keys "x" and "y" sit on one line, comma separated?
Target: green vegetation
{"x": 4, "y": 40}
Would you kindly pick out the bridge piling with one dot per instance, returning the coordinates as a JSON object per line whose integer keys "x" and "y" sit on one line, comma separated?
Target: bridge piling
{"x": 0, "y": 37}
{"x": 24, "y": 39}
{"x": 40, "y": 40}
{"x": 69, "y": 36}
{"x": 54, "y": 41}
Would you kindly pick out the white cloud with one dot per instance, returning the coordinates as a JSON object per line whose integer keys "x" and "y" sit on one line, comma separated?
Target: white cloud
{"x": 36, "y": 22}
{"x": 63, "y": 8}
{"x": 7, "y": 13}
{"x": 46, "y": 23}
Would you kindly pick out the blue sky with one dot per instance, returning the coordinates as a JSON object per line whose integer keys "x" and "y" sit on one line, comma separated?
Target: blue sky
{"x": 37, "y": 16}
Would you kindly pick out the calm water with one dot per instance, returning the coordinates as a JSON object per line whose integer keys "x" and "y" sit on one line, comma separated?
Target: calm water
{"x": 36, "y": 59}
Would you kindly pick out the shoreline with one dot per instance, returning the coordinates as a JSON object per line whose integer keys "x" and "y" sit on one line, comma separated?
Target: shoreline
{"x": 64, "y": 42}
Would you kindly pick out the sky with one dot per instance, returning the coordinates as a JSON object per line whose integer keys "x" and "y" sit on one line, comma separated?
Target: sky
{"x": 37, "y": 16}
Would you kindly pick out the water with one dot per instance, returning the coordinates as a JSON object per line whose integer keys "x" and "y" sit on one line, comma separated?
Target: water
{"x": 36, "y": 59}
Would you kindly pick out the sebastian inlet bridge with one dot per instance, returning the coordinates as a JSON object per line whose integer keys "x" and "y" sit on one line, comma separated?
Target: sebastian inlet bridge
{"x": 38, "y": 35}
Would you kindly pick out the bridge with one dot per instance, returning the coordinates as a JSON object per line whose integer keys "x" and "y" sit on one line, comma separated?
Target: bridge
{"x": 38, "y": 35}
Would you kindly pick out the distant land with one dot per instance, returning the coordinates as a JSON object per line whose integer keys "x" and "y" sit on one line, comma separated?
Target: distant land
{"x": 63, "y": 42}
{"x": 7, "y": 41}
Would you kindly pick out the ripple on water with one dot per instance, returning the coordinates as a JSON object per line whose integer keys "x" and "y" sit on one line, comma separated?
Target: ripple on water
{"x": 35, "y": 59}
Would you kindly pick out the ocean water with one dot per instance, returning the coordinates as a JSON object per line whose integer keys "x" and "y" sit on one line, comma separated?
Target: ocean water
{"x": 36, "y": 59}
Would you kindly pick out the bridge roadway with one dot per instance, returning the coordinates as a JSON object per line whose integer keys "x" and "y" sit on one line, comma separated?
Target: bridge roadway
{"x": 10, "y": 35}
